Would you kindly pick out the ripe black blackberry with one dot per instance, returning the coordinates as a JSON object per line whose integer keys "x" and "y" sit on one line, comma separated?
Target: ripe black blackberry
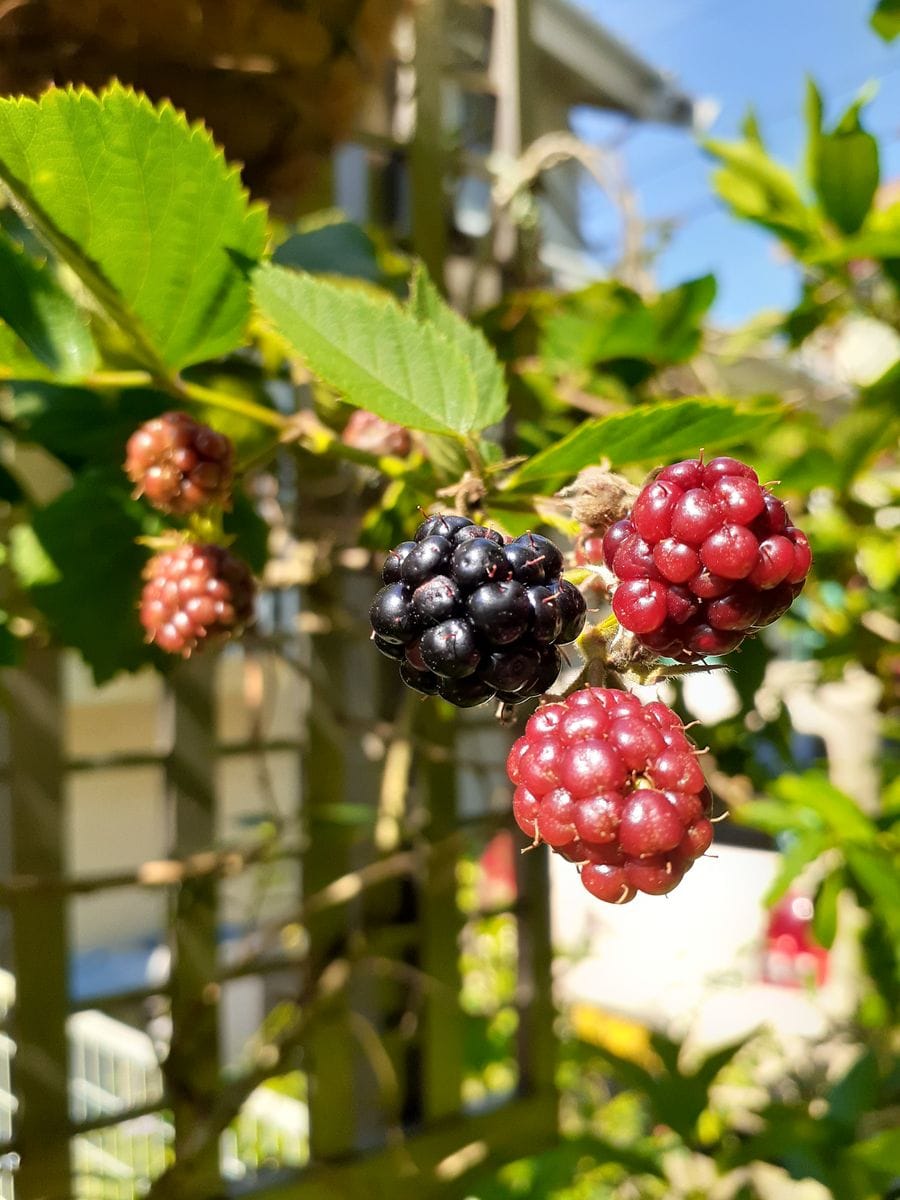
{"x": 195, "y": 595}
{"x": 179, "y": 465}
{"x": 473, "y": 615}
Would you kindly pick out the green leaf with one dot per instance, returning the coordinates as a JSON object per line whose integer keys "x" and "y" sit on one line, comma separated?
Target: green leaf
{"x": 250, "y": 531}
{"x": 144, "y": 209}
{"x": 876, "y": 873}
{"x": 880, "y": 1153}
{"x": 375, "y": 353}
{"x": 606, "y": 322}
{"x": 855, "y": 1093}
{"x": 839, "y": 812}
{"x": 885, "y": 20}
{"x": 813, "y": 109}
{"x": 427, "y": 305}
{"x": 825, "y": 908}
{"x": 44, "y": 316}
{"x": 16, "y": 360}
{"x": 773, "y": 818}
{"x": 805, "y": 848}
{"x": 82, "y": 569}
{"x": 750, "y": 128}
{"x": 872, "y": 243}
{"x": 759, "y": 189}
{"x": 652, "y": 434}
{"x": 337, "y": 248}
{"x": 79, "y": 425}
{"x": 10, "y": 488}
{"x": 10, "y": 647}
{"x": 846, "y": 172}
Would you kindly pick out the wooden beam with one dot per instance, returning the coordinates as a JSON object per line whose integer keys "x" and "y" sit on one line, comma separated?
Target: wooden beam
{"x": 34, "y": 839}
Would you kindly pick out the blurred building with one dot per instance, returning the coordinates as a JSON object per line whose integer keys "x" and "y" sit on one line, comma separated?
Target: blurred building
{"x": 474, "y": 84}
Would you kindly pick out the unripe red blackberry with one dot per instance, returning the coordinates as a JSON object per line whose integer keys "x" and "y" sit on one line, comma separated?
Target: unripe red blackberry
{"x": 179, "y": 465}
{"x": 365, "y": 431}
{"x": 706, "y": 558}
{"x": 195, "y": 595}
{"x": 615, "y": 785}
{"x": 480, "y": 614}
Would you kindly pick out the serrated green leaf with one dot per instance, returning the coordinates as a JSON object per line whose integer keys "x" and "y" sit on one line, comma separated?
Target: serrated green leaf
{"x": 375, "y": 353}
{"x": 427, "y": 305}
{"x": 144, "y": 209}
{"x": 652, "y": 434}
{"x": 82, "y": 569}
{"x": 825, "y": 908}
{"x": 45, "y": 317}
{"x": 846, "y": 172}
{"x": 885, "y": 20}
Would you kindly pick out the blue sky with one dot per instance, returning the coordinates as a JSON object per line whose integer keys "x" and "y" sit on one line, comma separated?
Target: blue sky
{"x": 737, "y": 53}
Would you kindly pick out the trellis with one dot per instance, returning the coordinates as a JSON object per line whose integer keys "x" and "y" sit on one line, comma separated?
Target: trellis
{"x": 380, "y": 1032}
{"x": 396, "y": 911}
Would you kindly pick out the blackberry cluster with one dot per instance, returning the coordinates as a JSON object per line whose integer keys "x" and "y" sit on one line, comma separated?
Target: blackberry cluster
{"x": 612, "y": 784}
{"x": 195, "y": 595}
{"x": 470, "y": 615}
{"x": 707, "y": 557}
{"x": 179, "y": 465}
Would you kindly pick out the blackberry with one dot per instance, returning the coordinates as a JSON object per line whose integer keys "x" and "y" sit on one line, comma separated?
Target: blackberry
{"x": 392, "y": 616}
{"x": 450, "y": 649}
{"x": 436, "y": 600}
{"x": 365, "y": 431}
{"x": 706, "y": 558}
{"x": 479, "y": 561}
{"x": 420, "y": 681}
{"x": 443, "y": 524}
{"x": 430, "y": 557}
{"x": 614, "y": 785}
{"x": 499, "y": 612}
{"x": 479, "y": 615}
{"x": 195, "y": 595}
{"x": 513, "y": 671}
{"x": 179, "y": 465}
{"x": 390, "y": 572}
{"x": 572, "y": 609}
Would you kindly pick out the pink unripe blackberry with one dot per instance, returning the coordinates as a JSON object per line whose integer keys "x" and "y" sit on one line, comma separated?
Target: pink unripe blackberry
{"x": 707, "y": 557}
{"x": 179, "y": 465}
{"x": 195, "y": 595}
{"x": 614, "y": 785}
{"x": 368, "y": 432}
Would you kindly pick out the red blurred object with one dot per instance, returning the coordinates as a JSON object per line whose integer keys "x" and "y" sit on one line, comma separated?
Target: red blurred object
{"x": 497, "y": 878}
{"x": 792, "y": 957}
